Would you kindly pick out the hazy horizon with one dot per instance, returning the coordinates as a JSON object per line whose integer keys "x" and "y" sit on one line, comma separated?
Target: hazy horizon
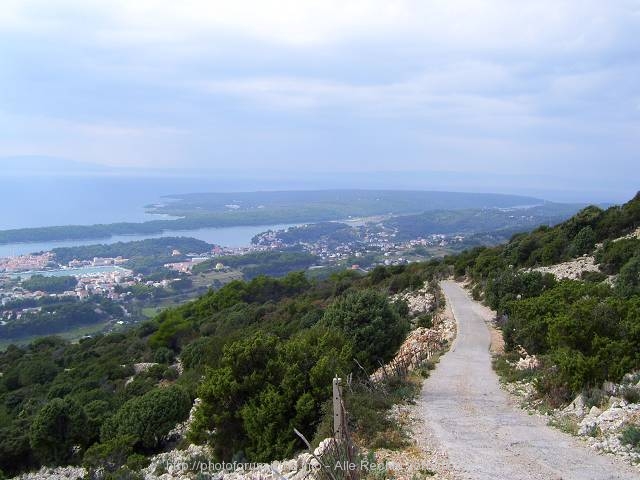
{"x": 545, "y": 187}
{"x": 533, "y": 97}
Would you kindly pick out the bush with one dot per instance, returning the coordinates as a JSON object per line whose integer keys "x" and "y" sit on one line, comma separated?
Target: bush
{"x": 57, "y": 427}
{"x": 508, "y": 286}
{"x": 163, "y": 355}
{"x": 593, "y": 277}
{"x": 631, "y": 394}
{"x": 613, "y": 255}
{"x": 628, "y": 281}
{"x": 148, "y": 418}
{"x": 583, "y": 242}
{"x": 264, "y": 388}
{"x": 631, "y": 436}
{"x": 137, "y": 462}
{"x": 371, "y": 323}
{"x": 425, "y": 320}
{"x": 109, "y": 455}
{"x": 369, "y": 411}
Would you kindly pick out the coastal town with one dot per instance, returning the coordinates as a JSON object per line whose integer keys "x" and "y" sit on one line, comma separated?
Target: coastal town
{"x": 97, "y": 288}
{"x": 334, "y": 242}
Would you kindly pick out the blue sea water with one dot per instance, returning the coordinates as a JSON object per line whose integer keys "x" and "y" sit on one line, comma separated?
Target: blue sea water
{"x": 38, "y": 201}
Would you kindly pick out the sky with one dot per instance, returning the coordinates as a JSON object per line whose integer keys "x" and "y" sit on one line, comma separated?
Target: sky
{"x": 536, "y": 94}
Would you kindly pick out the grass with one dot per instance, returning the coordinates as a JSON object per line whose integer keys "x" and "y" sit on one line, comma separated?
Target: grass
{"x": 565, "y": 424}
{"x": 206, "y": 279}
{"x": 631, "y": 436}
{"x": 424, "y": 473}
{"x": 150, "y": 312}
{"x": 71, "y": 335}
{"x": 369, "y": 412}
{"x": 631, "y": 394}
{"x": 502, "y": 364}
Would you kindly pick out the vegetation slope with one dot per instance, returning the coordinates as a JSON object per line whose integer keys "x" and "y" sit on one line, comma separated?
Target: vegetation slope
{"x": 585, "y": 331}
{"x": 261, "y": 354}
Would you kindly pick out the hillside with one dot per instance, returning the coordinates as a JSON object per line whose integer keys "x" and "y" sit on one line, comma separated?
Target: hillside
{"x": 584, "y": 331}
{"x": 260, "y": 355}
{"x": 267, "y": 349}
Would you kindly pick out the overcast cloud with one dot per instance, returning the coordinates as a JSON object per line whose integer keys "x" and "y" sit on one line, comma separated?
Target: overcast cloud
{"x": 506, "y": 87}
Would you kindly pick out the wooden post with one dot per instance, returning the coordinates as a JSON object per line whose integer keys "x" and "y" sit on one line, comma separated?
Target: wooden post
{"x": 338, "y": 415}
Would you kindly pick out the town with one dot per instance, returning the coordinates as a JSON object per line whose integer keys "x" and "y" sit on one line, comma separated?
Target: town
{"x": 126, "y": 289}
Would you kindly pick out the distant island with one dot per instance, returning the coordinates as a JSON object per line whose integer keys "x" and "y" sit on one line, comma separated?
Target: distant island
{"x": 219, "y": 210}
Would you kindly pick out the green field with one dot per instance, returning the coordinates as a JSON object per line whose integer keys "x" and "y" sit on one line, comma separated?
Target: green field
{"x": 71, "y": 335}
{"x": 201, "y": 281}
{"x": 207, "y": 279}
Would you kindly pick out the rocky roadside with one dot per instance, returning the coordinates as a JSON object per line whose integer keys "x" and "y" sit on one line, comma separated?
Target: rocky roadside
{"x": 423, "y": 458}
{"x": 419, "y": 301}
{"x": 600, "y": 426}
{"x": 571, "y": 270}
{"x": 599, "y": 419}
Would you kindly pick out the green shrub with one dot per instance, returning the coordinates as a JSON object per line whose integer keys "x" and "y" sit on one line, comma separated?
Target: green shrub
{"x": 425, "y": 320}
{"x": 57, "y": 427}
{"x": 264, "y": 388}
{"x": 503, "y": 365}
{"x": 628, "y": 281}
{"x": 369, "y": 411}
{"x": 148, "y": 418}
{"x": 137, "y": 462}
{"x": 631, "y": 394}
{"x": 613, "y": 255}
{"x": 631, "y": 436}
{"x": 110, "y": 455}
{"x": 163, "y": 355}
{"x": 593, "y": 277}
{"x": 583, "y": 242}
{"x": 371, "y": 323}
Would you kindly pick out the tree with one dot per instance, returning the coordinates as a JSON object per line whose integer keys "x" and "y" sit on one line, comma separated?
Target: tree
{"x": 109, "y": 455}
{"x": 50, "y": 284}
{"x": 583, "y": 242}
{"x": 628, "y": 281}
{"x": 265, "y": 388}
{"x": 15, "y": 451}
{"x": 57, "y": 428}
{"x": 372, "y": 324}
{"x": 150, "y": 417}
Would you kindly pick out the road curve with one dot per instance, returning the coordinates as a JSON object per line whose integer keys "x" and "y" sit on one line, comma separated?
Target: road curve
{"x": 484, "y": 435}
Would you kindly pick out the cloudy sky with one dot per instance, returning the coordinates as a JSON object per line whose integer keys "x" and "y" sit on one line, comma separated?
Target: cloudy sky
{"x": 534, "y": 89}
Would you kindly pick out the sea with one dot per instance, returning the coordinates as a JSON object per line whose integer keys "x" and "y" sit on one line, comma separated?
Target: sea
{"x": 40, "y": 201}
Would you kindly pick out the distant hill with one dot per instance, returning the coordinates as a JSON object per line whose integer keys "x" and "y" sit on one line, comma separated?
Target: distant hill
{"x": 583, "y": 331}
{"x": 44, "y": 165}
{"x": 342, "y": 203}
{"x": 205, "y": 210}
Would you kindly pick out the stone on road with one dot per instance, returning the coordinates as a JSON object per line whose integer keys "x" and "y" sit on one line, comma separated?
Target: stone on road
{"x": 475, "y": 422}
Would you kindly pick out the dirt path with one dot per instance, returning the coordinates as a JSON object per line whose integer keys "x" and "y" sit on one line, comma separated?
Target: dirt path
{"x": 483, "y": 434}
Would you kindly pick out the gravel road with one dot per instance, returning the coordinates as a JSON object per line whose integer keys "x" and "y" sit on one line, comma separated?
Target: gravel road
{"x": 483, "y": 433}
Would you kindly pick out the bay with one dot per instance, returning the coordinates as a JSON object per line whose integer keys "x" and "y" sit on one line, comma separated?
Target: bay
{"x": 41, "y": 201}
{"x": 227, "y": 237}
